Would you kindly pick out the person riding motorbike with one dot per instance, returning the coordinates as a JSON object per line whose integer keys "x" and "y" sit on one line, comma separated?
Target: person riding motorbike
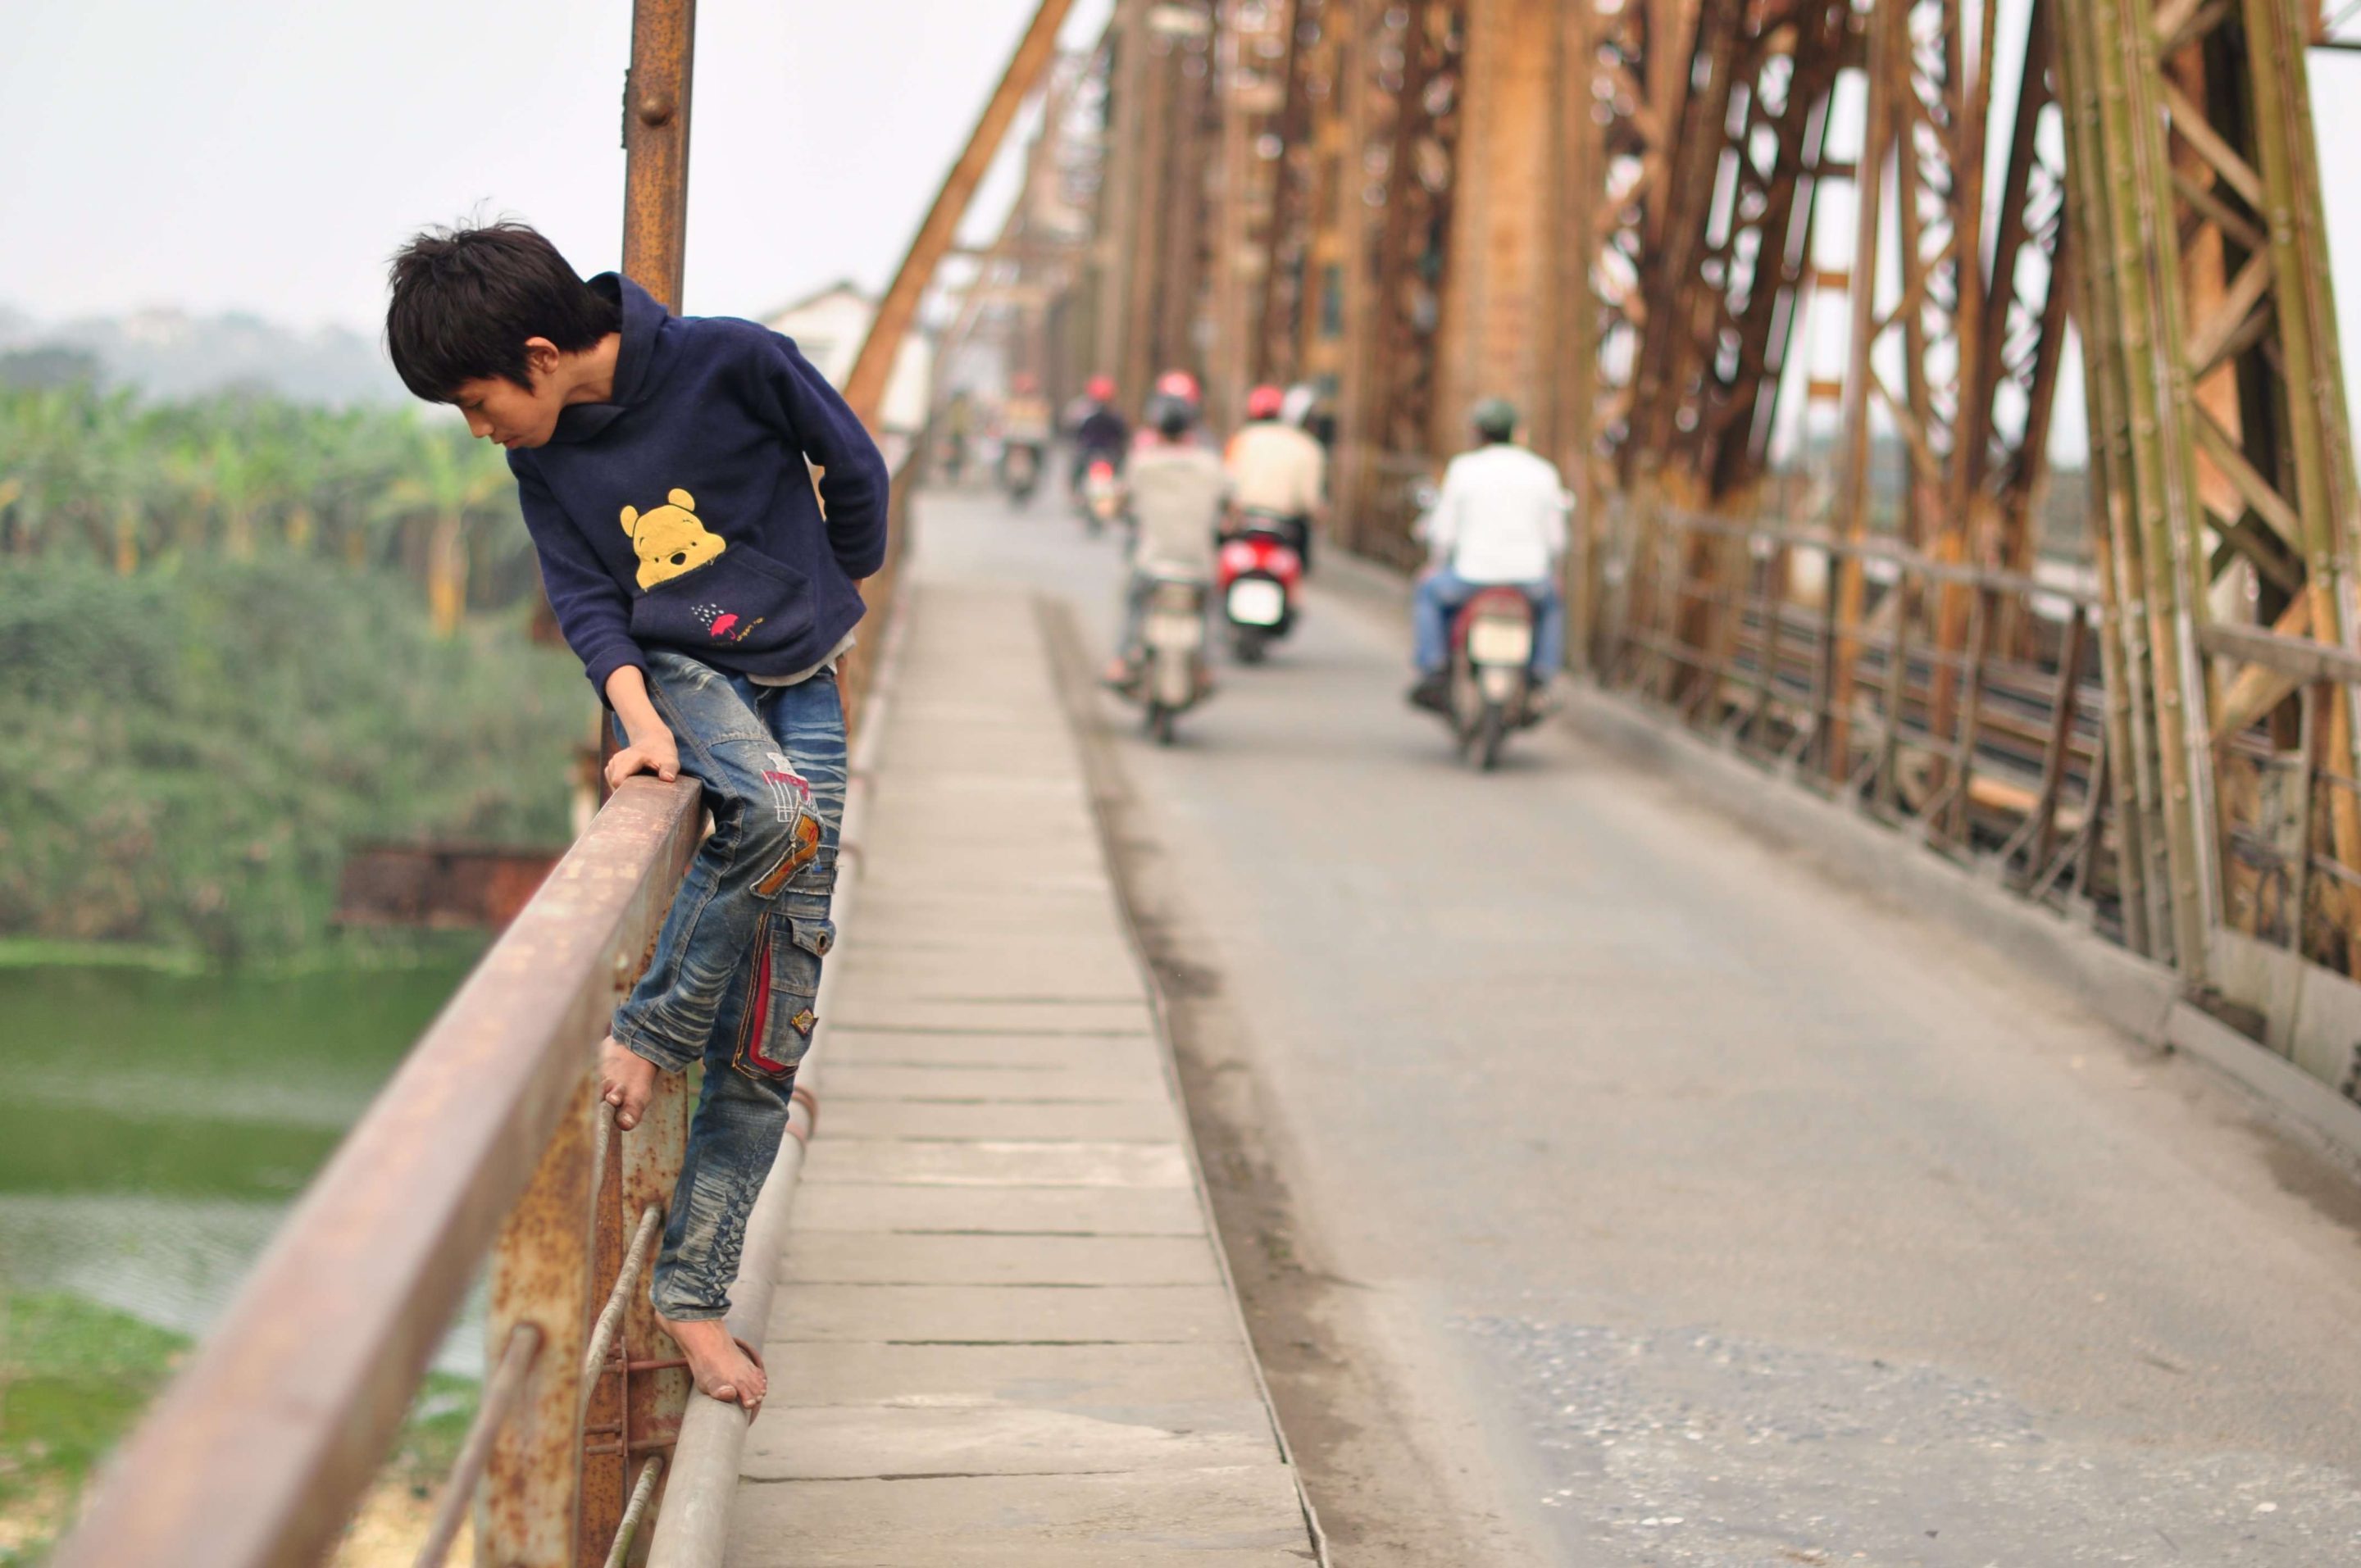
{"x": 1101, "y": 432}
{"x": 1276, "y": 468}
{"x": 958, "y": 428}
{"x": 1499, "y": 519}
{"x": 1178, "y": 489}
{"x": 1173, "y": 387}
{"x": 1025, "y": 419}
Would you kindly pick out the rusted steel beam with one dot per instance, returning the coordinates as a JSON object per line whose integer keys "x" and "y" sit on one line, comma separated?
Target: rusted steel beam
{"x": 2300, "y": 659}
{"x": 255, "y": 1453}
{"x": 655, "y": 146}
{"x": 1040, "y": 167}
{"x": 654, "y": 1398}
{"x": 872, "y": 372}
{"x": 1170, "y": 315}
{"x": 1847, "y": 594}
{"x": 1280, "y": 296}
{"x": 527, "y": 1513}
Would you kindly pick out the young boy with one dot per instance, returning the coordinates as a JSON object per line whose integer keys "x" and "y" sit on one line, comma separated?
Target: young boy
{"x": 664, "y": 466}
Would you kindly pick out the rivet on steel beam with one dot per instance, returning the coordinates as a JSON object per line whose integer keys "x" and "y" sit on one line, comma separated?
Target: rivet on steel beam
{"x": 656, "y": 109}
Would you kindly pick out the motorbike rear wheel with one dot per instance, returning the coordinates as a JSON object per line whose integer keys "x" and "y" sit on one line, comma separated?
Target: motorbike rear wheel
{"x": 1484, "y": 745}
{"x": 1250, "y": 645}
{"x": 1159, "y": 723}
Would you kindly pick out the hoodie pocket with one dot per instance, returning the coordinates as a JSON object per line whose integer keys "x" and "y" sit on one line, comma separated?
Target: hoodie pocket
{"x": 741, "y": 601}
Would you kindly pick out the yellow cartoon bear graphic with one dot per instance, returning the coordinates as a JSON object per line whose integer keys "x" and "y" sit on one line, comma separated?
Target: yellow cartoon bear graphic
{"x": 670, "y": 540}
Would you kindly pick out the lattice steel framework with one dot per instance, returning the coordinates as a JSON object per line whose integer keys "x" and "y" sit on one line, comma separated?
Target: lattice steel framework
{"x": 2137, "y": 708}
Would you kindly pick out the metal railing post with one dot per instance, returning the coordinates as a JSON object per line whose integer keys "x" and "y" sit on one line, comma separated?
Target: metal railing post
{"x": 541, "y": 1266}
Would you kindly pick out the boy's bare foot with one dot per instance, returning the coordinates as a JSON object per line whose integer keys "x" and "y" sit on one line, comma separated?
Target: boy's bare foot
{"x": 725, "y": 1369}
{"x": 626, "y": 1081}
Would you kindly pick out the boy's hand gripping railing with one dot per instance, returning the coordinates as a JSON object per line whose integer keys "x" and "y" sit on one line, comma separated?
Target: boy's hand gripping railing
{"x": 258, "y": 1452}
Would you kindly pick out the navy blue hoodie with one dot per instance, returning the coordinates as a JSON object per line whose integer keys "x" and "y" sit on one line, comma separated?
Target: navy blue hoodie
{"x": 681, "y": 515}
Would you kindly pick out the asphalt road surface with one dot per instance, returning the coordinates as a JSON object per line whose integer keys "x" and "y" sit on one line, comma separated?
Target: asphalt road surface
{"x": 1606, "y": 1185}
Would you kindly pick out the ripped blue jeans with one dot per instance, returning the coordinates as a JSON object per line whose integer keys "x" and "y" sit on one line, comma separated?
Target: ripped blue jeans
{"x": 736, "y": 969}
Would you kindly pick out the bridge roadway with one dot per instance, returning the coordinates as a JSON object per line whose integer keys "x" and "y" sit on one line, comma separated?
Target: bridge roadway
{"x": 1608, "y": 1186}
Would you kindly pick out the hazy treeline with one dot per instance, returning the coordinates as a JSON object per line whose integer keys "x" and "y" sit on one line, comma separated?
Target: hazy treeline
{"x": 240, "y": 635}
{"x": 107, "y": 476}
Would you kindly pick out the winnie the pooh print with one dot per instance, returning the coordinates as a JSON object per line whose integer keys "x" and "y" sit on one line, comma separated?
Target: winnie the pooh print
{"x": 670, "y": 540}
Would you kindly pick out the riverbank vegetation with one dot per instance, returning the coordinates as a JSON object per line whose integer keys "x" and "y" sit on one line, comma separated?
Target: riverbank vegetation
{"x": 74, "y": 1377}
{"x": 243, "y": 635}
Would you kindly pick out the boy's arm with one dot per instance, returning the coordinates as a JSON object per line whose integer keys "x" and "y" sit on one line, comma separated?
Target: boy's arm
{"x": 812, "y": 418}
{"x": 593, "y": 612}
{"x": 651, "y": 747}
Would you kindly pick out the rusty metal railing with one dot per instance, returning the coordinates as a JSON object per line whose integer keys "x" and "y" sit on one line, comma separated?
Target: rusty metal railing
{"x": 1962, "y": 703}
{"x": 489, "y": 1140}
{"x": 260, "y": 1450}
{"x": 2290, "y": 810}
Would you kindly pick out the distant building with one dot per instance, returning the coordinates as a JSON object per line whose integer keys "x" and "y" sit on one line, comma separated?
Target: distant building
{"x": 830, "y": 326}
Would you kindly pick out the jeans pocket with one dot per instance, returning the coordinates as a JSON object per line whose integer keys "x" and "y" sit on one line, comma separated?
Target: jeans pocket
{"x": 780, "y": 1019}
{"x": 815, "y": 937}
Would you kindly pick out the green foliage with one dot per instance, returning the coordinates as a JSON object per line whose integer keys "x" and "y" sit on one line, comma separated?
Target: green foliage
{"x": 224, "y": 668}
{"x": 103, "y": 476}
{"x": 74, "y": 1377}
{"x": 191, "y": 750}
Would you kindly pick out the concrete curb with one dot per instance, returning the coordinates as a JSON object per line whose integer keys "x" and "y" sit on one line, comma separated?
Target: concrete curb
{"x": 701, "y": 1484}
{"x": 1071, "y": 672}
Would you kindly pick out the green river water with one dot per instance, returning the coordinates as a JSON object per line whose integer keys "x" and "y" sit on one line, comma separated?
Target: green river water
{"x": 155, "y": 1127}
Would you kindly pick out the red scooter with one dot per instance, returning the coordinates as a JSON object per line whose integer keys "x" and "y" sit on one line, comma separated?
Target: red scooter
{"x": 1492, "y": 672}
{"x": 1256, "y": 575}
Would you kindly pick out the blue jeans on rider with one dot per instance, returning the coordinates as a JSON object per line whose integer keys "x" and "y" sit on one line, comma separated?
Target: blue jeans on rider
{"x": 736, "y": 968}
{"x": 1138, "y": 589}
{"x": 1442, "y": 593}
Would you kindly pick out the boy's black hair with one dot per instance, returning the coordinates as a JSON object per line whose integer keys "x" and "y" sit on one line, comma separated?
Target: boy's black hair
{"x": 465, "y": 301}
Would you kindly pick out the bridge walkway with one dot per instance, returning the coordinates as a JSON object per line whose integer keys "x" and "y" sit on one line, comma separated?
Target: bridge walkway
{"x": 1002, "y": 1333}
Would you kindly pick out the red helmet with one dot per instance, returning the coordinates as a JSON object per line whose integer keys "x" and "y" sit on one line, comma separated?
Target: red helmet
{"x": 1101, "y": 389}
{"x": 1177, "y": 384}
{"x": 1264, "y": 402}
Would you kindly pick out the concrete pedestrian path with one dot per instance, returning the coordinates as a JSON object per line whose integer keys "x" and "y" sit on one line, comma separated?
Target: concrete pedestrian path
{"x": 1002, "y": 1332}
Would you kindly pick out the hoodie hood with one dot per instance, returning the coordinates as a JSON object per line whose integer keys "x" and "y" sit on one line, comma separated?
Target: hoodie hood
{"x": 636, "y": 362}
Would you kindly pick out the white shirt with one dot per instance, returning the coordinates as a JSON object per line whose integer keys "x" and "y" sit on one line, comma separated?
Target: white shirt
{"x": 1500, "y": 517}
{"x": 1276, "y": 468}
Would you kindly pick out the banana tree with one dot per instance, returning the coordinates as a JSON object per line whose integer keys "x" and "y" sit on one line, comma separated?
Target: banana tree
{"x": 450, "y": 479}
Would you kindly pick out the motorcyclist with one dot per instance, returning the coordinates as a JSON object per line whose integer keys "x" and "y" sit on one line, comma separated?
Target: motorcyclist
{"x": 1276, "y": 468}
{"x": 1101, "y": 432}
{"x": 1178, "y": 488}
{"x": 1025, "y": 419}
{"x": 1500, "y": 520}
{"x": 1172, "y": 387}
{"x": 958, "y": 428}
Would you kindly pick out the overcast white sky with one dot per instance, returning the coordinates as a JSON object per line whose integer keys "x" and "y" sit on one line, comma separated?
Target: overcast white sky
{"x": 266, "y": 155}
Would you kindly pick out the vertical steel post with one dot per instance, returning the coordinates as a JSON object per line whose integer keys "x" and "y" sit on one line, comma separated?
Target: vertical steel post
{"x": 2145, "y": 260}
{"x": 1225, "y": 358}
{"x": 2134, "y": 792}
{"x": 1119, "y": 204}
{"x": 526, "y": 1512}
{"x": 655, "y": 146}
{"x": 1579, "y": 187}
{"x": 1839, "y": 651}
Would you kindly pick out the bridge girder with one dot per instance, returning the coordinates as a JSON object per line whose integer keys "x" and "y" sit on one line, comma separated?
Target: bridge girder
{"x": 1635, "y": 217}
